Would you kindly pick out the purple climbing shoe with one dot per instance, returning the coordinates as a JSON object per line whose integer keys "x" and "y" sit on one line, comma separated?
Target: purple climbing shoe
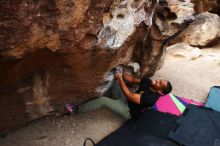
{"x": 72, "y": 108}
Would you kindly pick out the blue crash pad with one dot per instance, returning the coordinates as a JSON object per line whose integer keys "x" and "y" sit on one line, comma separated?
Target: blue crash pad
{"x": 213, "y": 100}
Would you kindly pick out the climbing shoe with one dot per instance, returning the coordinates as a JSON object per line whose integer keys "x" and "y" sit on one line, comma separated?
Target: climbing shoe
{"x": 72, "y": 108}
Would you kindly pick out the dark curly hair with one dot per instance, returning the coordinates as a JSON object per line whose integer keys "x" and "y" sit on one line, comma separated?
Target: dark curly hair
{"x": 167, "y": 89}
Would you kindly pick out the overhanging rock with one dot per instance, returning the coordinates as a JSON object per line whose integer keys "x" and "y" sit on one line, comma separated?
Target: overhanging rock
{"x": 60, "y": 51}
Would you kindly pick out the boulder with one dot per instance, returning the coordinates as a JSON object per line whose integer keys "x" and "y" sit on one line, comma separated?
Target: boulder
{"x": 205, "y": 30}
{"x": 182, "y": 52}
{"x": 212, "y": 6}
{"x": 63, "y": 51}
{"x": 173, "y": 16}
{"x": 170, "y": 18}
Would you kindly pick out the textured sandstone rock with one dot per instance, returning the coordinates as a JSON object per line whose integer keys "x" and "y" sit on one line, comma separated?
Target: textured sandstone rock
{"x": 171, "y": 17}
{"x": 55, "y": 52}
{"x": 202, "y": 32}
{"x": 175, "y": 15}
{"x": 183, "y": 52}
{"x": 212, "y": 6}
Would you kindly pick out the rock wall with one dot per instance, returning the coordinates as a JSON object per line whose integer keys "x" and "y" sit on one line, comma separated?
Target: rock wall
{"x": 59, "y": 51}
{"x": 170, "y": 19}
{"x": 212, "y": 6}
{"x": 204, "y": 31}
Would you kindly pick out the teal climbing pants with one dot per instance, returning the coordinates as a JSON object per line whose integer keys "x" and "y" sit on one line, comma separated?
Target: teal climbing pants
{"x": 117, "y": 105}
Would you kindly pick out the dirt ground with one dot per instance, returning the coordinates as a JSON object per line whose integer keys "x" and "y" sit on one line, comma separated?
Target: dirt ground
{"x": 65, "y": 130}
{"x": 191, "y": 79}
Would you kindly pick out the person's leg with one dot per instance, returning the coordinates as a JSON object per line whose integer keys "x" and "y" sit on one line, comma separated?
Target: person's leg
{"x": 115, "y": 91}
{"x": 91, "y": 105}
{"x": 118, "y": 106}
{"x": 121, "y": 105}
